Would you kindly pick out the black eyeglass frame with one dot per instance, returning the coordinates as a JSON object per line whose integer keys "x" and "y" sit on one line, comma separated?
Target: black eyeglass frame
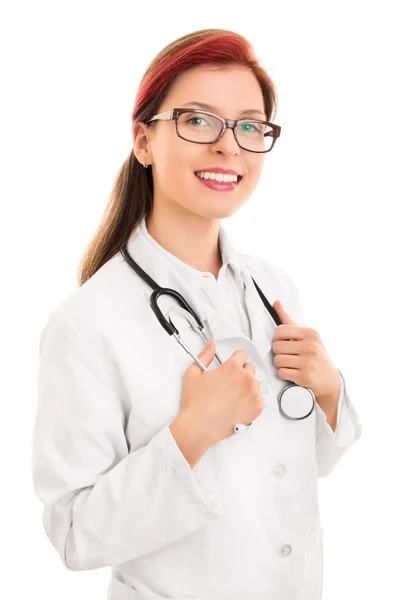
{"x": 174, "y": 113}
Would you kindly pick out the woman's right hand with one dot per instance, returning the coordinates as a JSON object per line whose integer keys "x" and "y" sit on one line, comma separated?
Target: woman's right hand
{"x": 220, "y": 398}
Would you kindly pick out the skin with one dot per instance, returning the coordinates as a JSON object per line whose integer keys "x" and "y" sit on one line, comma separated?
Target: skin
{"x": 301, "y": 357}
{"x": 186, "y": 215}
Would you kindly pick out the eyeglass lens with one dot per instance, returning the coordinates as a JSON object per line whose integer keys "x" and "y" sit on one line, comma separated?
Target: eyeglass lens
{"x": 199, "y": 127}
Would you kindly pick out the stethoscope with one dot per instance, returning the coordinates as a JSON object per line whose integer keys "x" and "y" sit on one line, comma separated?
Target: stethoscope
{"x": 293, "y": 396}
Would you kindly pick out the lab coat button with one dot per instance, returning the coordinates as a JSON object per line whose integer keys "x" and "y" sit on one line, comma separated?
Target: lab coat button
{"x": 279, "y": 471}
{"x": 285, "y": 550}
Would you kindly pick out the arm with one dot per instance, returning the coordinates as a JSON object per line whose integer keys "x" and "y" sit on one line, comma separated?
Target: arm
{"x": 332, "y": 442}
{"x": 190, "y": 440}
{"x": 331, "y": 404}
{"x": 104, "y": 505}
{"x": 335, "y": 434}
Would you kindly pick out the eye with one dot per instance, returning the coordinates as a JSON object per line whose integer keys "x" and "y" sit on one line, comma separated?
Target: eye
{"x": 195, "y": 119}
{"x": 247, "y": 127}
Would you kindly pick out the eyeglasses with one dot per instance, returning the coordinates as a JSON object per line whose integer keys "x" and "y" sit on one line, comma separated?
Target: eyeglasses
{"x": 200, "y": 127}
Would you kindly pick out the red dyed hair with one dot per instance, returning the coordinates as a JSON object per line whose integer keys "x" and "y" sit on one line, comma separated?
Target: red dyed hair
{"x": 132, "y": 194}
{"x": 209, "y": 46}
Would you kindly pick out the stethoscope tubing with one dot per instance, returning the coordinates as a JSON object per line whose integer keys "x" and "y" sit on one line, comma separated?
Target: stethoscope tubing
{"x": 172, "y": 330}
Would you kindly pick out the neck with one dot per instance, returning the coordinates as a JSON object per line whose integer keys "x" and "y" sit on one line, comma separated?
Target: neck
{"x": 191, "y": 238}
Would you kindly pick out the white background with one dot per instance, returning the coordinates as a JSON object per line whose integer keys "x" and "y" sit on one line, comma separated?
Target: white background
{"x": 326, "y": 210}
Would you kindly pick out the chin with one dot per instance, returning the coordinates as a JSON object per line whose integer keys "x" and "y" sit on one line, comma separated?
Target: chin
{"x": 218, "y": 212}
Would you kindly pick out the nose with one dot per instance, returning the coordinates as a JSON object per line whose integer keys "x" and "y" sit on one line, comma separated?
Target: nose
{"x": 227, "y": 143}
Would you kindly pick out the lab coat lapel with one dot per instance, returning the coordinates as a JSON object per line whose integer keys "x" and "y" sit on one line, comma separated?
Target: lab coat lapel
{"x": 220, "y": 328}
{"x": 162, "y": 271}
{"x": 262, "y": 324}
{"x": 262, "y": 330}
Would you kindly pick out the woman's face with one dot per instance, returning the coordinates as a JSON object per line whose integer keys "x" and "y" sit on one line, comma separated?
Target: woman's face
{"x": 174, "y": 160}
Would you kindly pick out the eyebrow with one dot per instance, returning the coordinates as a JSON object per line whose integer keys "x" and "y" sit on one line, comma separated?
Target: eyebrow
{"x": 213, "y": 109}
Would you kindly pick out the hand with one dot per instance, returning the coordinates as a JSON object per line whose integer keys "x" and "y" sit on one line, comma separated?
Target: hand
{"x": 301, "y": 358}
{"x": 218, "y": 399}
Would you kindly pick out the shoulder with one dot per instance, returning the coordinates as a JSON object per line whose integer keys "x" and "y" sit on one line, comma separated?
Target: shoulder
{"x": 92, "y": 307}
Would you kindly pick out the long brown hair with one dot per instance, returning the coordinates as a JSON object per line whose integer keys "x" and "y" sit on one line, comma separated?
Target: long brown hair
{"x": 132, "y": 193}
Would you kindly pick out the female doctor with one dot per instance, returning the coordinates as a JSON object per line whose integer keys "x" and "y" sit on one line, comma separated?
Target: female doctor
{"x": 136, "y": 457}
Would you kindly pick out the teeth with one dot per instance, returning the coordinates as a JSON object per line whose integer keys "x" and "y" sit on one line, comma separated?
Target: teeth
{"x": 217, "y": 176}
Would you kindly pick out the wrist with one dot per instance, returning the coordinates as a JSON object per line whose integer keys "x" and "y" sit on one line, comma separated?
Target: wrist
{"x": 191, "y": 438}
{"x": 195, "y": 429}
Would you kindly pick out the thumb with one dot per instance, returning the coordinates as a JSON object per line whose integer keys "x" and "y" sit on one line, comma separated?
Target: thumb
{"x": 282, "y": 314}
{"x": 206, "y": 356}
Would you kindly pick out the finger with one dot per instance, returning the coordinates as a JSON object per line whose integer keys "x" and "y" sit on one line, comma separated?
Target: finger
{"x": 239, "y": 356}
{"x": 249, "y": 367}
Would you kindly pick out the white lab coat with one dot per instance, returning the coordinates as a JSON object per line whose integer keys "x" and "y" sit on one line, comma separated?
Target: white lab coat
{"x": 116, "y": 489}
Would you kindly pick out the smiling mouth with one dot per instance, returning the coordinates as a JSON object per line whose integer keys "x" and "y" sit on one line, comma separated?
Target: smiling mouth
{"x": 220, "y": 186}
{"x": 197, "y": 174}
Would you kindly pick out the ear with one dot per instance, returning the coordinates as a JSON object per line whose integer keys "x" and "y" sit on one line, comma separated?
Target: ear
{"x": 141, "y": 142}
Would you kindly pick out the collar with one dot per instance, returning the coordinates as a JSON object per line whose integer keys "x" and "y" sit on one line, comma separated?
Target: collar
{"x": 193, "y": 276}
{"x": 161, "y": 266}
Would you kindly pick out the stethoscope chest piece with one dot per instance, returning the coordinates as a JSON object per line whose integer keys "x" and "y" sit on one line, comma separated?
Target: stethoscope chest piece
{"x": 296, "y": 402}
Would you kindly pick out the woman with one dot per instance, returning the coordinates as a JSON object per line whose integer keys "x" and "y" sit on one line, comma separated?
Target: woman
{"x": 135, "y": 454}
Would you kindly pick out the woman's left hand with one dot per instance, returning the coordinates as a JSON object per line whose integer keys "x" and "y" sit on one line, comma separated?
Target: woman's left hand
{"x": 301, "y": 357}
